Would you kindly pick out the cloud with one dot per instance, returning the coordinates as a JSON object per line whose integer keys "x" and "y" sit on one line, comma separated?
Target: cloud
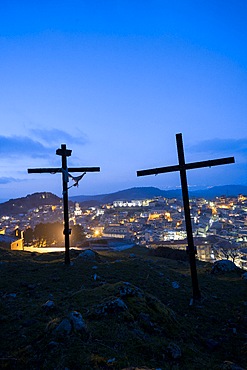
{"x": 224, "y": 146}
{"x": 20, "y": 146}
{"x": 8, "y": 180}
{"x": 55, "y": 136}
{"x": 43, "y": 146}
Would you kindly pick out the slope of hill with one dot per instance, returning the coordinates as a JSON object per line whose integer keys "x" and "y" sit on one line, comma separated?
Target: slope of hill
{"x": 217, "y": 191}
{"x": 118, "y": 310}
{"x": 22, "y": 205}
{"x": 128, "y": 194}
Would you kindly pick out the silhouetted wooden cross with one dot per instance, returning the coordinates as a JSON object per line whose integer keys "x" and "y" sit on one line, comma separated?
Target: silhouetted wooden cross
{"x": 182, "y": 167}
{"x": 64, "y": 153}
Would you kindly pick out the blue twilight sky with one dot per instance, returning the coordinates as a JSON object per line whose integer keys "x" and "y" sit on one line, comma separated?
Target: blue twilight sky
{"x": 115, "y": 80}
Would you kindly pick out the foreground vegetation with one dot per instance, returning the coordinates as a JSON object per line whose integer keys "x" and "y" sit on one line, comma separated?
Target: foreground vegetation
{"x": 133, "y": 309}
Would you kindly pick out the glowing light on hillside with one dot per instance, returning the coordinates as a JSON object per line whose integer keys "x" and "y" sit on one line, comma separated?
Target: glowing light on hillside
{"x": 97, "y": 232}
{"x": 153, "y": 216}
{"x": 214, "y": 211}
{"x": 241, "y": 198}
{"x": 168, "y": 216}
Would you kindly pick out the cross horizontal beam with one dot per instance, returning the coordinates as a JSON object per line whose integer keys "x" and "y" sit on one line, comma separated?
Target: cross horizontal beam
{"x": 187, "y": 166}
{"x": 57, "y": 170}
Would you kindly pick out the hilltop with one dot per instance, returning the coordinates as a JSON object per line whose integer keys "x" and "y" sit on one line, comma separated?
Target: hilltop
{"x": 21, "y": 205}
{"x": 118, "y": 310}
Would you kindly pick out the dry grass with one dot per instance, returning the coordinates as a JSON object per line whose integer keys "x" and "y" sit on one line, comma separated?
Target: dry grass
{"x": 158, "y": 319}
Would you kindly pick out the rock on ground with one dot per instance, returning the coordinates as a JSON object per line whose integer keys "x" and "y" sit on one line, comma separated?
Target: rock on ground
{"x": 223, "y": 266}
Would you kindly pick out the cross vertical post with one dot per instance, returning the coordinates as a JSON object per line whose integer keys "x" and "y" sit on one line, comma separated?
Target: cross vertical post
{"x": 185, "y": 194}
{"x": 182, "y": 167}
{"x": 64, "y": 153}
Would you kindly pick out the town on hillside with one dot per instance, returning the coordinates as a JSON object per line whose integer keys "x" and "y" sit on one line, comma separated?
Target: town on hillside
{"x": 219, "y": 225}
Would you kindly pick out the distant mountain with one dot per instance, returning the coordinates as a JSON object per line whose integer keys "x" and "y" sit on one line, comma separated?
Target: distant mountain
{"x": 217, "y": 191}
{"x": 21, "y": 205}
{"x": 127, "y": 194}
{"x": 151, "y": 192}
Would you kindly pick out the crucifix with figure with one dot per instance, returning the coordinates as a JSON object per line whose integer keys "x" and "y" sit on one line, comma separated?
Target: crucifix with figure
{"x": 182, "y": 167}
{"x": 64, "y": 153}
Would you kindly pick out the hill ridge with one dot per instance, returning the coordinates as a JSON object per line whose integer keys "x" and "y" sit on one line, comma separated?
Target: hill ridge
{"x": 23, "y": 204}
{"x": 149, "y": 192}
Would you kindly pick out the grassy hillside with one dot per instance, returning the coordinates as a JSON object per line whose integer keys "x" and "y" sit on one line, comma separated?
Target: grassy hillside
{"x": 21, "y": 205}
{"x": 132, "y": 311}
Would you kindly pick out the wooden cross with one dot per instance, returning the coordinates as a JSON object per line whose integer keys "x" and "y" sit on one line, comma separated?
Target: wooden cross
{"x": 182, "y": 167}
{"x": 64, "y": 153}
